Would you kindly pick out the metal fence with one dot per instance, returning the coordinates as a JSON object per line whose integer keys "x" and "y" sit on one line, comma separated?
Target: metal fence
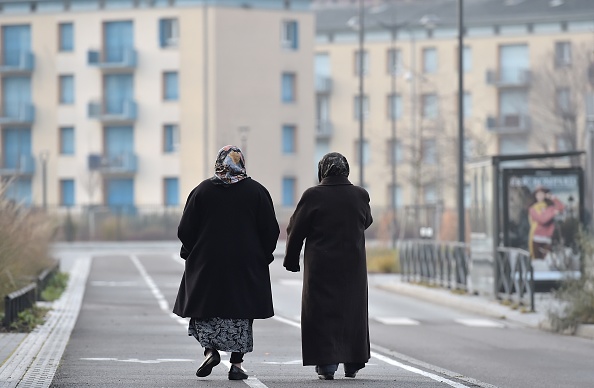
{"x": 446, "y": 264}
{"x": 514, "y": 276}
{"x": 18, "y": 301}
{"x": 24, "y": 298}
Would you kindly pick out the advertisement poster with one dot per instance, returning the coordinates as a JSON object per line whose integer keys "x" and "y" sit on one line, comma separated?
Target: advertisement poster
{"x": 542, "y": 212}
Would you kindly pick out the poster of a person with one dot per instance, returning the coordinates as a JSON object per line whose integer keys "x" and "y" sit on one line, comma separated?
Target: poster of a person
{"x": 542, "y": 209}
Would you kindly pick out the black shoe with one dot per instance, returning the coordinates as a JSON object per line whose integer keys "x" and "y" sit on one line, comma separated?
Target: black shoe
{"x": 327, "y": 376}
{"x": 213, "y": 358}
{"x": 236, "y": 373}
{"x": 350, "y": 374}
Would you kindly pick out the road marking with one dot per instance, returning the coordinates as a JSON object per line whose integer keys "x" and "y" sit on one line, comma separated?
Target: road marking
{"x": 473, "y": 322}
{"x": 105, "y": 283}
{"x": 294, "y": 362}
{"x": 398, "y": 364}
{"x": 290, "y": 282}
{"x": 136, "y": 360}
{"x": 397, "y": 321}
{"x": 251, "y": 381}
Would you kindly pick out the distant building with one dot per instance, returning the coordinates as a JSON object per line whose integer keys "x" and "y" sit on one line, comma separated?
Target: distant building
{"x": 125, "y": 103}
{"x": 512, "y": 51}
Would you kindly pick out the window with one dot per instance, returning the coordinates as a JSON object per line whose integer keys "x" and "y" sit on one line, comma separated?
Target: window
{"x": 429, "y": 60}
{"x": 66, "y": 89}
{"x": 67, "y": 141}
{"x": 563, "y": 97}
{"x": 290, "y": 35}
{"x": 19, "y": 191}
{"x": 358, "y": 107}
{"x": 467, "y": 196}
{"x": 66, "y": 37}
{"x": 170, "y": 86}
{"x": 288, "y": 87}
{"x": 562, "y": 54}
{"x": 430, "y": 193}
{"x": 429, "y": 105}
{"x": 366, "y": 152}
{"x": 168, "y": 32}
{"x": 118, "y": 93}
{"x": 395, "y": 195}
{"x": 429, "y": 151}
{"x": 394, "y": 62}
{"x": 467, "y": 104}
{"x": 289, "y": 132}
{"x": 120, "y": 194}
{"x": 395, "y": 106}
{"x": 513, "y": 145}
{"x": 467, "y": 59}
{"x": 358, "y": 62}
{"x": 171, "y": 191}
{"x": 16, "y": 42}
{"x": 289, "y": 184}
{"x": 468, "y": 148}
{"x": 562, "y": 143}
{"x": 67, "y": 192}
{"x": 170, "y": 138}
{"x": 394, "y": 151}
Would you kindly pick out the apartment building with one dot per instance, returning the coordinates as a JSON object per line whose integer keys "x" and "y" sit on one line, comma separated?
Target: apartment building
{"x": 125, "y": 103}
{"x": 525, "y": 68}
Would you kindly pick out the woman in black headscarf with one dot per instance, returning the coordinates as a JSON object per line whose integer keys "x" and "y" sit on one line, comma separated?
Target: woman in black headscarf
{"x": 228, "y": 233}
{"x": 332, "y": 218}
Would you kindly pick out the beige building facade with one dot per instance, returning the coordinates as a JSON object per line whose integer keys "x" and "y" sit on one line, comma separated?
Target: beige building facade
{"x": 525, "y": 68}
{"x": 128, "y": 102}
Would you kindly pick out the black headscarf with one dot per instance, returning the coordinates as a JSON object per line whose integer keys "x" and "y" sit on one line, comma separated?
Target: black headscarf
{"x": 230, "y": 166}
{"x": 333, "y": 164}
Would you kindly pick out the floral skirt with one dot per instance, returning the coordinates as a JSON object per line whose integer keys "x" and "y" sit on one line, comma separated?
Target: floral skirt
{"x": 226, "y": 334}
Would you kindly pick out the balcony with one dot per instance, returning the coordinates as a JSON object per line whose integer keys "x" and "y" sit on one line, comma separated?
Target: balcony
{"x": 117, "y": 59}
{"x": 23, "y": 165}
{"x": 509, "y": 124}
{"x": 122, "y": 164}
{"x": 17, "y": 113}
{"x": 17, "y": 62}
{"x": 109, "y": 112}
{"x": 323, "y": 84}
{"x": 324, "y": 129}
{"x": 505, "y": 78}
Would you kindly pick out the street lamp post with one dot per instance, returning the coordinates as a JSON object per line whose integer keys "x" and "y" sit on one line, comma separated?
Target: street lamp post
{"x": 461, "y": 215}
{"x": 361, "y": 91}
{"x": 43, "y": 157}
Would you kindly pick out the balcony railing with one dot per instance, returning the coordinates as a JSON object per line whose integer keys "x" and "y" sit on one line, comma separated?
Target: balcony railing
{"x": 112, "y": 58}
{"x": 509, "y": 124}
{"x": 17, "y": 113}
{"x": 121, "y": 164}
{"x": 323, "y": 84}
{"x": 107, "y": 112}
{"x": 22, "y": 165}
{"x": 17, "y": 61}
{"x": 509, "y": 77}
{"x": 324, "y": 129}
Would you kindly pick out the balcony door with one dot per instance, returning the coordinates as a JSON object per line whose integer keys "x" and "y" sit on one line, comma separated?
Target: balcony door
{"x": 118, "y": 39}
{"x": 119, "y": 90}
{"x": 16, "y": 41}
{"x": 16, "y": 147}
{"x": 119, "y": 141}
{"x": 16, "y": 94}
{"x": 514, "y": 60}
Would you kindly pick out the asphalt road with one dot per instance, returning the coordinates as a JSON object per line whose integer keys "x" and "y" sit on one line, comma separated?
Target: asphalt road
{"x": 126, "y": 336}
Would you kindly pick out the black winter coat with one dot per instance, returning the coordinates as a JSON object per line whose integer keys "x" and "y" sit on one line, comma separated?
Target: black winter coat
{"x": 332, "y": 218}
{"x": 228, "y": 235}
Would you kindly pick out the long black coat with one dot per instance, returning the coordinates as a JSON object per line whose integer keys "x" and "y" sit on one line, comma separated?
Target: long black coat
{"x": 228, "y": 235}
{"x": 332, "y": 218}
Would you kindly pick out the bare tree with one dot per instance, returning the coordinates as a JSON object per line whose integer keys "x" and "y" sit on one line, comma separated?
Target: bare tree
{"x": 558, "y": 92}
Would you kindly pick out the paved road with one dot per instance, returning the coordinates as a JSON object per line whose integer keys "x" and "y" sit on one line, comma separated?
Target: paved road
{"x": 126, "y": 336}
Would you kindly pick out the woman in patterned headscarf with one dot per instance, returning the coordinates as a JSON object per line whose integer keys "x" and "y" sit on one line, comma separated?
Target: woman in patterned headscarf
{"x": 228, "y": 233}
{"x": 332, "y": 217}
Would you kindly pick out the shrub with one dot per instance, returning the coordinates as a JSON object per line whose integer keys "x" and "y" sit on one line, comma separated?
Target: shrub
{"x": 56, "y": 287}
{"x": 382, "y": 260}
{"x": 573, "y": 301}
{"x": 25, "y": 236}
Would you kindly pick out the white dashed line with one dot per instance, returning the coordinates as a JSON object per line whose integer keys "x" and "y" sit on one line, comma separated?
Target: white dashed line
{"x": 480, "y": 323}
{"x": 397, "y": 321}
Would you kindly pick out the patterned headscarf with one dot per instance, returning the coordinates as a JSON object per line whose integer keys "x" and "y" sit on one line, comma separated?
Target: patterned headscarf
{"x": 230, "y": 166}
{"x": 333, "y": 164}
